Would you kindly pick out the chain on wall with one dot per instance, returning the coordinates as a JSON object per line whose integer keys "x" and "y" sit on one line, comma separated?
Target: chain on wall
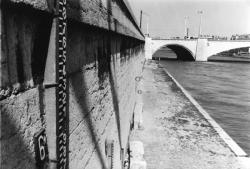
{"x": 62, "y": 96}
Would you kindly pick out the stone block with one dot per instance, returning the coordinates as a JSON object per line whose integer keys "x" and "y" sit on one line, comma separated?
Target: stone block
{"x": 138, "y": 164}
{"x": 136, "y": 150}
{"x": 138, "y": 119}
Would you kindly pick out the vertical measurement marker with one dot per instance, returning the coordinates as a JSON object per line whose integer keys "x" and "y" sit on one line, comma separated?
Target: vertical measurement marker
{"x": 61, "y": 92}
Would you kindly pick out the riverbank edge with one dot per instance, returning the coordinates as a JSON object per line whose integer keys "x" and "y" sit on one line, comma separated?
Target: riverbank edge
{"x": 241, "y": 155}
{"x": 154, "y": 156}
{"x": 235, "y": 148}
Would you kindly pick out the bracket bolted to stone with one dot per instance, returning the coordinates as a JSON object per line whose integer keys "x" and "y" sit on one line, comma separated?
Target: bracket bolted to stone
{"x": 47, "y": 86}
{"x": 109, "y": 151}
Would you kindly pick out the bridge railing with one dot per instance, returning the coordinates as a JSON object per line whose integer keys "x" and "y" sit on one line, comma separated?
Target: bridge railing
{"x": 214, "y": 40}
{"x": 175, "y": 39}
{"x": 210, "y": 40}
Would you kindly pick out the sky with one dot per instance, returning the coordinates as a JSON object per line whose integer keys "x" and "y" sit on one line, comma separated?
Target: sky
{"x": 166, "y": 18}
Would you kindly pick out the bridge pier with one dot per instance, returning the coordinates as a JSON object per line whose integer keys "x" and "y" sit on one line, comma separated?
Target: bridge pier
{"x": 201, "y": 49}
{"x": 148, "y": 48}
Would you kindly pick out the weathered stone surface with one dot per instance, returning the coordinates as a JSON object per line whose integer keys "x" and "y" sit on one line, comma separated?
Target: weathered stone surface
{"x": 107, "y": 14}
{"x": 102, "y": 63}
{"x": 102, "y": 93}
{"x": 38, "y": 4}
{"x": 21, "y": 119}
{"x": 25, "y": 35}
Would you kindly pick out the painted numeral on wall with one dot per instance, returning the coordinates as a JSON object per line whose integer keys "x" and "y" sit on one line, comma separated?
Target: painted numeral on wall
{"x": 41, "y": 149}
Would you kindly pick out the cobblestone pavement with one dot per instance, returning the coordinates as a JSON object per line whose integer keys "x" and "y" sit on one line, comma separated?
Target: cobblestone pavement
{"x": 174, "y": 133}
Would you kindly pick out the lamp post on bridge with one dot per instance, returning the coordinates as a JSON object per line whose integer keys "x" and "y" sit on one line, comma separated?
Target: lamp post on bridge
{"x": 186, "y": 26}
{"x": 144, "y": 13}
{"x": 200, "y": 13}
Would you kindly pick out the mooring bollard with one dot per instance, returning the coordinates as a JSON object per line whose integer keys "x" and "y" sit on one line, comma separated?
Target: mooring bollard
{"x": 136, "y": 155}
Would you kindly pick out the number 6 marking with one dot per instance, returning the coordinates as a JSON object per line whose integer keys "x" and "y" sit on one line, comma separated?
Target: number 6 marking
{"x": 41, "y": 143}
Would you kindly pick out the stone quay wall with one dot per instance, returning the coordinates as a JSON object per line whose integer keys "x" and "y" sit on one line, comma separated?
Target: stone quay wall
{"x": 105, "y": 54}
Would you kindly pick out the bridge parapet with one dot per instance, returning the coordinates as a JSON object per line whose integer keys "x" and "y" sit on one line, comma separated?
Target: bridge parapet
{"x": 213, "y": 40}
{"x": 177, "y": 39}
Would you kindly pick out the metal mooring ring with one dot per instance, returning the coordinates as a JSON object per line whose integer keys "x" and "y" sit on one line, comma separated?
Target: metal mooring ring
{"x": 137, "y": 78}
{"x": 139, "y": 91}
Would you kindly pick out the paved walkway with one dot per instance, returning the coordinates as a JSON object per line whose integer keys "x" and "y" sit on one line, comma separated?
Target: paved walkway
{"x": 175, "y": 134}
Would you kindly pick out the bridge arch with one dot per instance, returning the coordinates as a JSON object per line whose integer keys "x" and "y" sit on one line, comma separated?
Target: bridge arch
{"x": 222, "y": 51}
{"x": 182, "y": 52}
{"x": 216, "y": 48}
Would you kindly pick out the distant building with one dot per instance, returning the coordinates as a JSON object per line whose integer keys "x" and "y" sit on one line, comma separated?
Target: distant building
{"x": 214, "y": 37}
{"x": 240, "y": 37}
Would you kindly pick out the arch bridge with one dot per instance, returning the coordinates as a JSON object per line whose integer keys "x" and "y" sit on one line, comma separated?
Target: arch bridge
{"x": 193, "y": 49}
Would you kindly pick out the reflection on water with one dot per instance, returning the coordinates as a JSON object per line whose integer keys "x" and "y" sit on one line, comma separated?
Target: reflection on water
{"x": 223, "y": 89}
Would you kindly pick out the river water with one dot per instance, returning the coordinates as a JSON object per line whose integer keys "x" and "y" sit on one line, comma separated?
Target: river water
{"x": 222, "y": 89}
